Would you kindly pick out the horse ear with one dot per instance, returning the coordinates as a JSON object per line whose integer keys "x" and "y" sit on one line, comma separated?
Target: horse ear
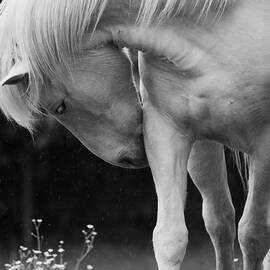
{"x": 17, "y": 73}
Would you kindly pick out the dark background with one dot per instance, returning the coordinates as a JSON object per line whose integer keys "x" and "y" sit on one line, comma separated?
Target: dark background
{"x": 53, "y": 177}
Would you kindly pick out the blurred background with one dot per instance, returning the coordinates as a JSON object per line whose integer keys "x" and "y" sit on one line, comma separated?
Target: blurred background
{"x": 53, "y": 177}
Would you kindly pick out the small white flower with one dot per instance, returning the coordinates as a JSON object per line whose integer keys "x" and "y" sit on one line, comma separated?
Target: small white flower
{"x": 49, "y": 261}
{"x": 36, "y": 251}
{"x": 23, "y": 248}
{"x": 39, "y": 220}
{"x": 90, "y": 227}
{"x": 58, "y": 266}
{"x": 89, "y": 267}
{"x": 235, "y": 259}
{"x": 61, "y": 250}
{"x": 29, "y": 260}
{"x": 61, "y": 242}
{"x": 47, "y": 254}
{"x": 50, "y": 250}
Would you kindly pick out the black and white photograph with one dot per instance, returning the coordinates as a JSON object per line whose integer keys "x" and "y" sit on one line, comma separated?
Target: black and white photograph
{"x": 134, "y": 135}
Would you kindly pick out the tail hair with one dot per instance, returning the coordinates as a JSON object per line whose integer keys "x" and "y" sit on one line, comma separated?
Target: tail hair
{"x": 242, "y": 162}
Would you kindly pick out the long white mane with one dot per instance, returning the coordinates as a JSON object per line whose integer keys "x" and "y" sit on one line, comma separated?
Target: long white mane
{"x": 44, "y": 34}
{"x": 41, "y": 34}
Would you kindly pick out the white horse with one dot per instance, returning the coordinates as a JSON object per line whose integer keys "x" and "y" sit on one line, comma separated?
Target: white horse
{"x": 205, "y": 72}
{"x": 53, "y": 59}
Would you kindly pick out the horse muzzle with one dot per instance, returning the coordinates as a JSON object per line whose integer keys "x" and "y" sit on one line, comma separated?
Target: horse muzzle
{"x": 133, "y": 158}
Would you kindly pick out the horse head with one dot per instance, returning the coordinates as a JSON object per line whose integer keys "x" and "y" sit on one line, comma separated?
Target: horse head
{"x": 65, "y": 64}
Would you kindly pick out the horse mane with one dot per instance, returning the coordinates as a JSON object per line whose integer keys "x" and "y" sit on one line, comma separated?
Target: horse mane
{"x": 156, "y": 11}
{"x": 43, "y": 35}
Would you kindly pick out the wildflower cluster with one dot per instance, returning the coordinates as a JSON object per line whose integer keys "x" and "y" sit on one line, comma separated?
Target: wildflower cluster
{"x": 36, "y": 259}
{"x": 89, "y": 238}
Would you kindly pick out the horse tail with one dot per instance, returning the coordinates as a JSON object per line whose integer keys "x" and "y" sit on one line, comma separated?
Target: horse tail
{"x": 242, "y": 162}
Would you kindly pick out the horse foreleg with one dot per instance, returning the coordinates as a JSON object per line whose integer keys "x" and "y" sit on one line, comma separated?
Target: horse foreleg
{"x": 254, "y": 226}
{"x": 266, "y": 262}
{"x": 167, "y": 154}
{"x": 207, "y": 169}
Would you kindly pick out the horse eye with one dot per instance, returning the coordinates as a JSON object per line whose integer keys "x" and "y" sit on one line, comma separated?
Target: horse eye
{"x": 105, "y": 44}
{"x": 61, "y": 108}
{"x": 43, "y": 111}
